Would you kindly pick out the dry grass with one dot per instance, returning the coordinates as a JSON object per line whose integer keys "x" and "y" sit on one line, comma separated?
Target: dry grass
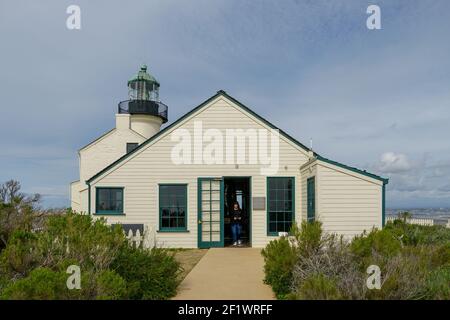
{"x": 188, "y": 258}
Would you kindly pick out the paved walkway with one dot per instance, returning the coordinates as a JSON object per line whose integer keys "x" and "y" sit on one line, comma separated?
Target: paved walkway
{"x": 226, "y": 273}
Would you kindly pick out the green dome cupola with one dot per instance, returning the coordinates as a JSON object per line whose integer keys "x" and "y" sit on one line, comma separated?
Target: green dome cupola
{"x": 143, "y": 86}
{"x": 143, "y": 93}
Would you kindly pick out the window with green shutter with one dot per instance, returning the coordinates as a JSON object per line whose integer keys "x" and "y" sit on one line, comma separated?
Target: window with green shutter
{"x": 172, "y": 207}
{"x": 280, "y": 204}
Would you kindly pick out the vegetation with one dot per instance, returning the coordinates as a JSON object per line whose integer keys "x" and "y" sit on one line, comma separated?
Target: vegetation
{"x": 38, "y": 248}
{"x": 414, "y": 262}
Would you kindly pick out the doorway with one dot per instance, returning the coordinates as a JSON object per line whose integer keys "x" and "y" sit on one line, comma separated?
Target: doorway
{"x": 237, "y": 189}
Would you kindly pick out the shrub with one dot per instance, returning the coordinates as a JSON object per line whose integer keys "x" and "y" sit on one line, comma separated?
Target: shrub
{"x": 20, "y": 256}
{"x": 110, "y": 267}
{"x": 279, "y": 257}
{"x": 309, "y": 238}
{"x": 331, "y": 262}
{"x": 381, "y": 242}
{"x": 149, "y": 273}
{"x": 414, "y": 263}
{"x": 437, "y": 285}
{"x": 40, "y": 284}
{"x": 110, "y": 286}
{"x": 413, "y": 235}
{"x": 318, "y": 287}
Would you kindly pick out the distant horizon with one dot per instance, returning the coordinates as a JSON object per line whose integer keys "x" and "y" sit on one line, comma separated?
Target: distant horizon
{"x": 377, "y": 100}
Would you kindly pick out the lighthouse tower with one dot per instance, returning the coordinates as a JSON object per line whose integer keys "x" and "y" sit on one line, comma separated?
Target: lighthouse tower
{"x": 146, "y": 112}
{"x": 138, "y": 118}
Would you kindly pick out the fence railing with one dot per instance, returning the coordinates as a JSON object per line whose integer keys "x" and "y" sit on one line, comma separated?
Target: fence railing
{"x": 423, "y": 221}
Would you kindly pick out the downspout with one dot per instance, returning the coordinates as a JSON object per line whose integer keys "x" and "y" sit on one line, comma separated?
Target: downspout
{"x": 89, "y": 197}
{"x": 383, "y": 203}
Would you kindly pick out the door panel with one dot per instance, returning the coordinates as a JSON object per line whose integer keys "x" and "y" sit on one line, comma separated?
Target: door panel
{"x": 210, "y": 212}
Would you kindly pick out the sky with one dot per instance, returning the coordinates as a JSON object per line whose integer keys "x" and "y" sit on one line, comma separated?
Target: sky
{"x": 374, "y": 99}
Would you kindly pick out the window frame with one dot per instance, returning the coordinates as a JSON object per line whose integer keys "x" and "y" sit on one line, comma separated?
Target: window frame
{"x": 276, "y": 234}
{"x": 109, "y": 212}
{"x": 313, "y": 217}
{"x": 173, "y": 229}
{"x": 133, "y": 143}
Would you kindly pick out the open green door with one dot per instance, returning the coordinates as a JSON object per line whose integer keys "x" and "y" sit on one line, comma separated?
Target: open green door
{"x": 210, "y": 212}
{"x": 311, "y": 199}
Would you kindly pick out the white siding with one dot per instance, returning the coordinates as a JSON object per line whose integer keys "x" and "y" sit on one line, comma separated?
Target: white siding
{"x": 307, "y": 172}
{"x": 347, "y": 203}
{"x": 141, "y": 173}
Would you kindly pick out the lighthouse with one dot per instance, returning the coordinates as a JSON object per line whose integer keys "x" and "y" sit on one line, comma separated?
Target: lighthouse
{"x": 137, "y": 119}
{"x": 145, "y": 112}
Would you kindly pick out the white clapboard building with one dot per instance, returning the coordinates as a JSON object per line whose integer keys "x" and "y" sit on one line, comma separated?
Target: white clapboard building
{"x": 176, "y": 185}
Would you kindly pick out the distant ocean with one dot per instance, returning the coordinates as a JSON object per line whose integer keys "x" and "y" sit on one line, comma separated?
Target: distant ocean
{"x": 435, "y": 213}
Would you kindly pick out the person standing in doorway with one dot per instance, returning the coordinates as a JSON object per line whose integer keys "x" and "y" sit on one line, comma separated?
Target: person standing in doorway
{"x": 236, "y": 224}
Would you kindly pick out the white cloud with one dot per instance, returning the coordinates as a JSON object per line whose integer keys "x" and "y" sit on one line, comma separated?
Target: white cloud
{"x": 394, "y": 163}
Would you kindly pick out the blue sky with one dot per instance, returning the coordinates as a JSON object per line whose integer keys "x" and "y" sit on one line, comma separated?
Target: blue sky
{"x": 378, "y": 100}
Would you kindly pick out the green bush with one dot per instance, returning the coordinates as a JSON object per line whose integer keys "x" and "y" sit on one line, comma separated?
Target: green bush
{"x": 413, "y": 235}
{"x": 380, "y": 242}
{"x": 318, "y": 287}
{"x": 21, "y": 255}
{"x": 40, "y": 284}
{"x": 309, "y": 238}
{"x": 110, "y": 267}
{"x": 437, "y": 285}
{"x": 149, "y": 273}
{"x": 110, "y": 286}
{"x": 414, "y": 262}
{"x": 280, "y": 257}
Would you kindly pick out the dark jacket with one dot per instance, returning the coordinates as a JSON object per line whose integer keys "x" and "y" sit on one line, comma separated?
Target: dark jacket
{"x": 236, "y": 216}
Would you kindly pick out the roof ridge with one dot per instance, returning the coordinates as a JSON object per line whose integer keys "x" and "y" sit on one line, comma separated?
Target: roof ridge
{"x": 354, "y": 169}
{"x": 219, "y": 93}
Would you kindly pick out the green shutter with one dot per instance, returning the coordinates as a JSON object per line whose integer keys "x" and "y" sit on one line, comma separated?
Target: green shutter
{"x": 311, "y": 199}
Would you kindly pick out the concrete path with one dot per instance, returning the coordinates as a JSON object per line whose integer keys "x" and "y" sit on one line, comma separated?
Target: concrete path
{"x": 226, "y": 273}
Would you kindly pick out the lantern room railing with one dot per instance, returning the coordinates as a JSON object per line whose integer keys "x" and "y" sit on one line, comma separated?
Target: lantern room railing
{"x": 149, "y": 107}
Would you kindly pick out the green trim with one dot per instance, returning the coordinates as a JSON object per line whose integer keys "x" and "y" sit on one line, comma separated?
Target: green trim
{"x": 308, "y": 181}
{"x": 250, "y": 212}
{"x": 250, "y": 215}
{"x": 383, "y": 206}
{"x": 107, "y": 212}
{"x": 172, "y": 231}
{"x": 209, "y": 244}
{"x": 275, "y": 234}
{"x": 363, "y": 172}
{"x": 169, "y": 229}
{"x": 163, "y": 131}
{"x": 89, "y": 198}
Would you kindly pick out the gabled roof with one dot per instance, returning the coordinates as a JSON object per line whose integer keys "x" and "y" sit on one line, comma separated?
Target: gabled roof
{"x": 363, "y": 172}
{"x": 238, "y": 103}
{"x": 106, "y": 134}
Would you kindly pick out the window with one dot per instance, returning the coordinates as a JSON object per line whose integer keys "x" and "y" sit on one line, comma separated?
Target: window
{"x": 109, "y": 200}
{"x": 131, "y": 146}
{"x": 311, "y": 199}
{"x": 280, "y": 204}
{"x": 172, "y": 207}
